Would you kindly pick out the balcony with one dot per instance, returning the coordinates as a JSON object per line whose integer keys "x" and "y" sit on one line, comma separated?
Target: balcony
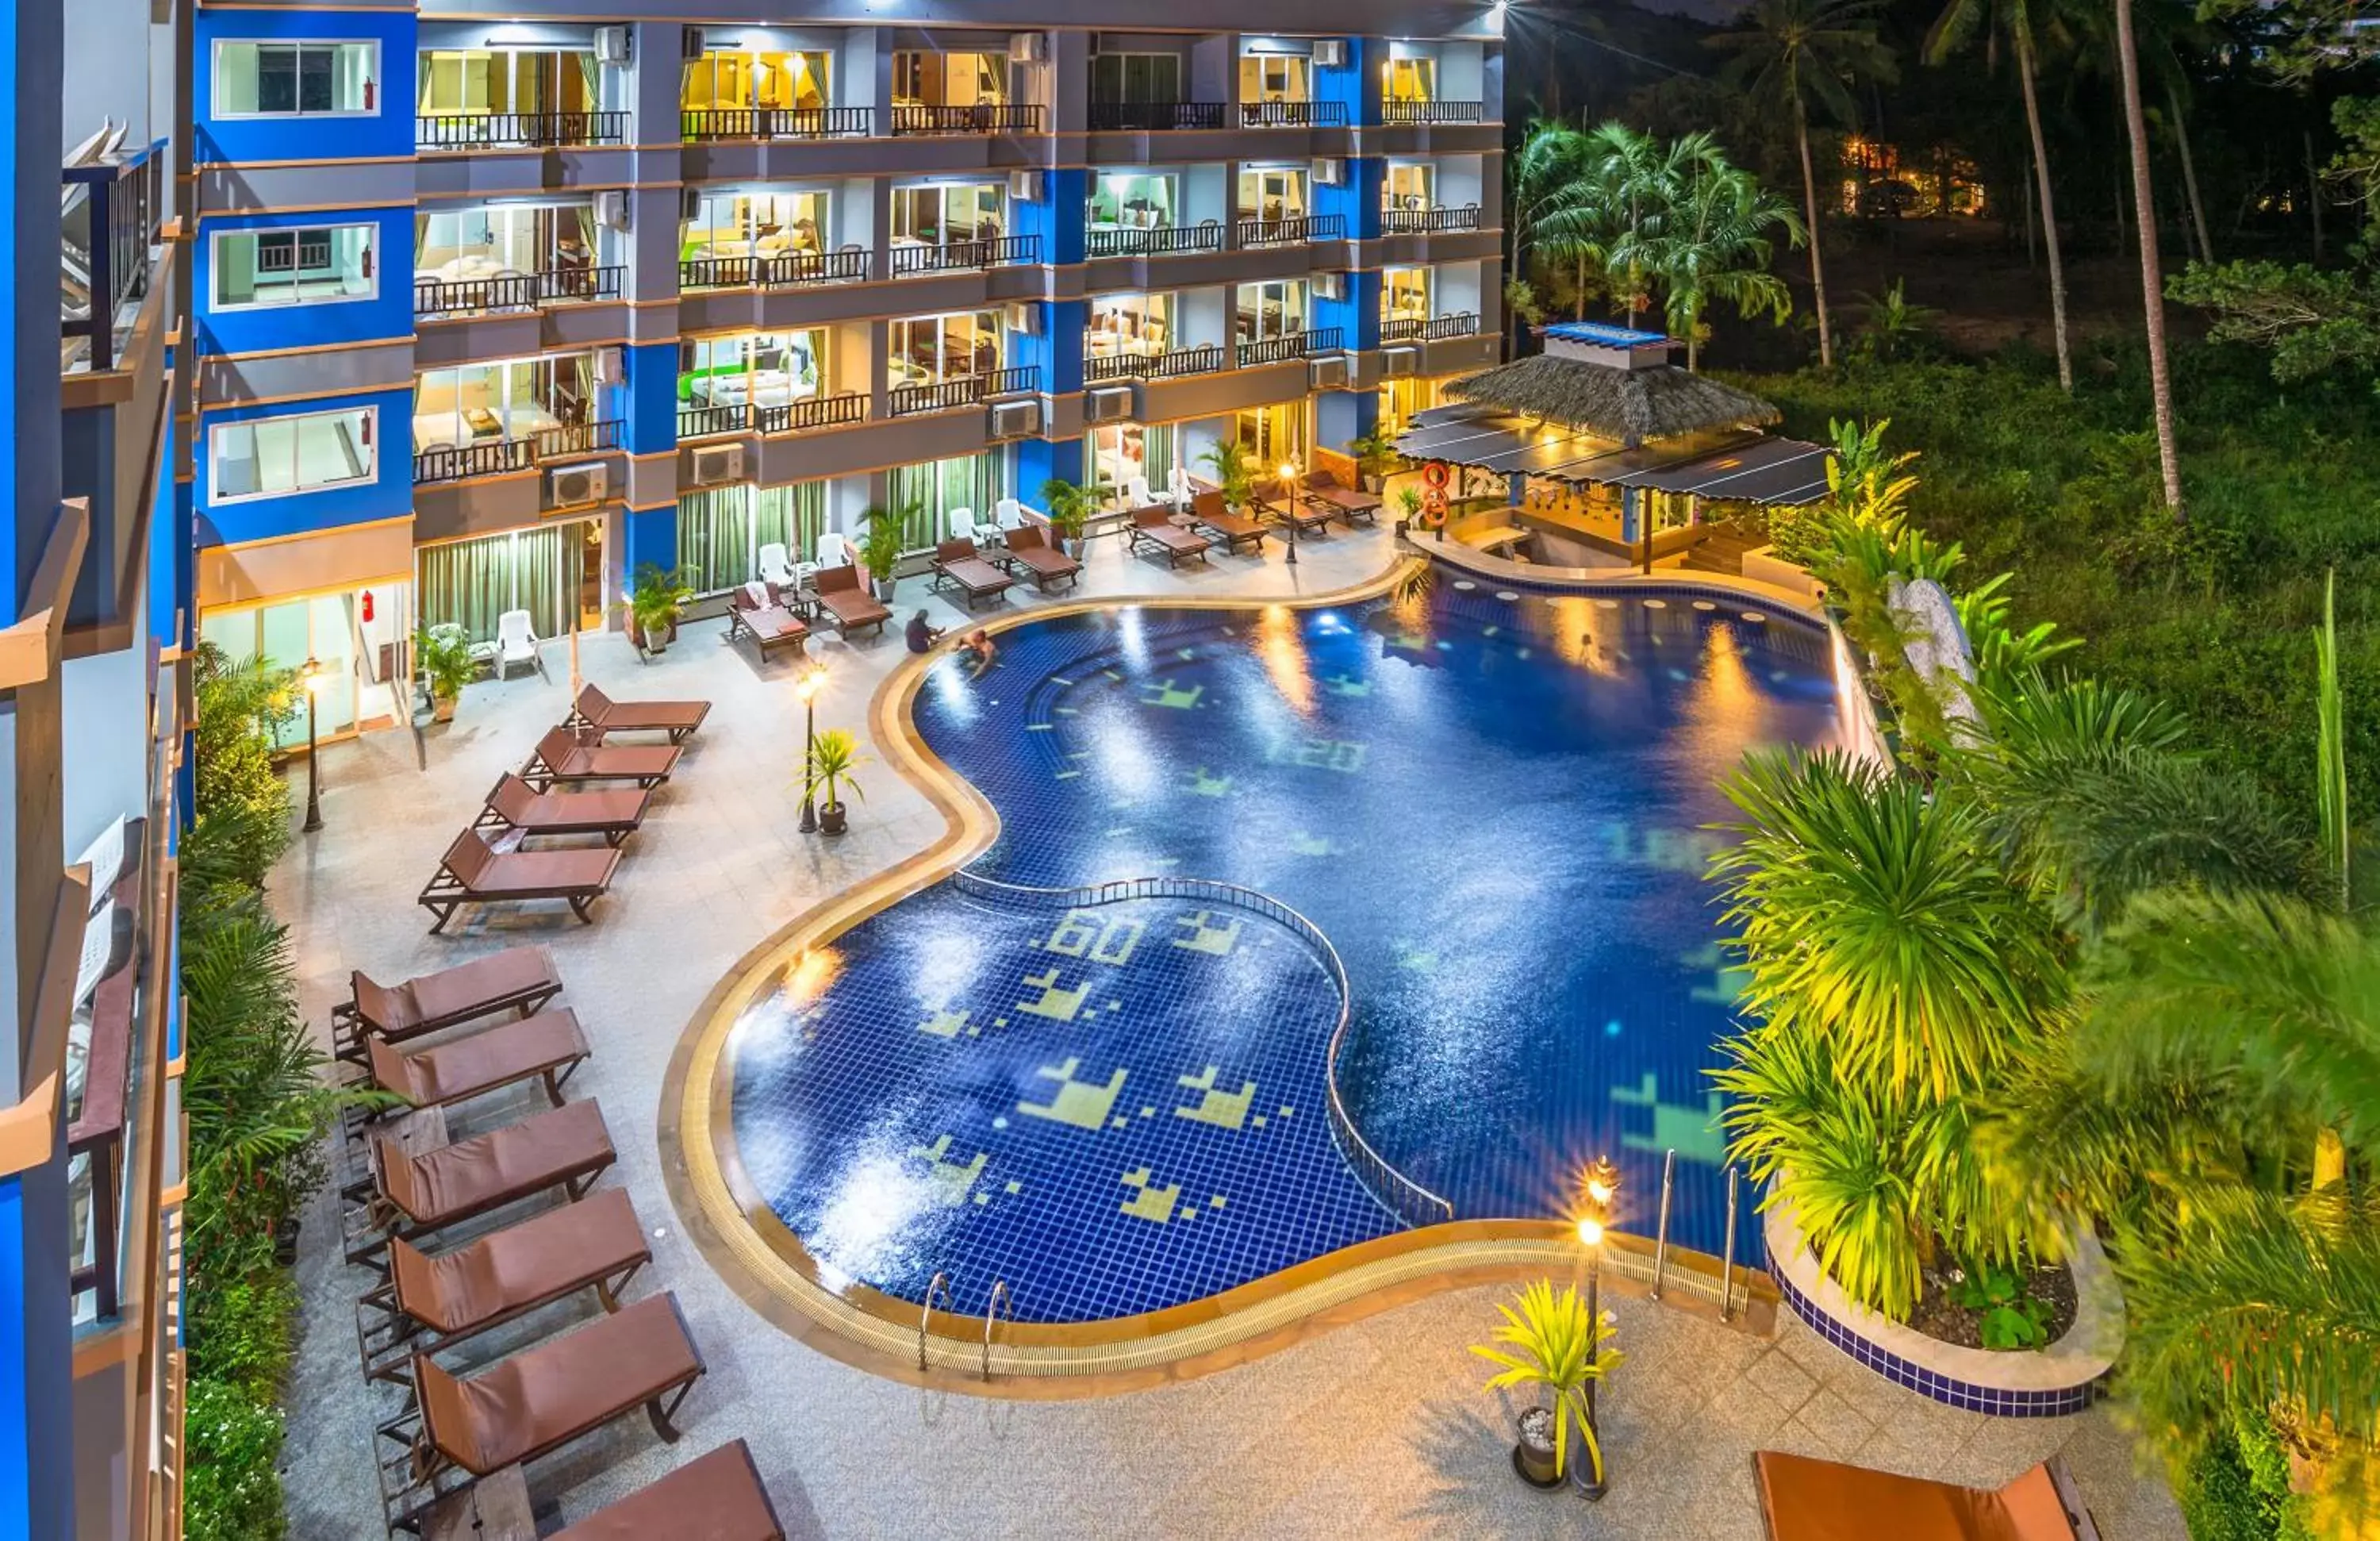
{"x": 1291, "y": 232}
{"x": 1293, "y": 115}
{"x": 1165, "y": 241}
{"x": 784, "y": 271}
{"x": 908, "y": 401}
{"x": 812, "y": 412}
{"x": 108, "y": 215}
{"x": 1156, "y": 117}
{"x": 497, "y": 456}
{"x": 1206, "y": 359}
{"x": 1421, "y": 329}
{"x": 964, "y": 256}
{"x": 1296, "y": 345}
{"x": 504, "y": 130}
{"x": 700, "y": 124}
{"x": 1421, "y": 222}
{"x": 516, "y": 291}
{"x": 985, "y": 118}
{"x": 1395, "y": 113}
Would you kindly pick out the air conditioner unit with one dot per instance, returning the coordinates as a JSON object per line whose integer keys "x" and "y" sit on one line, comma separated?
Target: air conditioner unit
{"x": 1401, "y": 360}
{"x": 1015, "y": 419}
{"x": 714, "y": 464}
{"x": 1328, "y": 374}
{"x": 1330, "y": 285}
{"x": 607, "y": 366}
{"x": 1028, "y": 47}
{"x": 612, "y": 210}
{"x": 691, "y": 44}
{"x": 1024, "y": 317}
{"x": 1112, "y": 405}
{"x": 1025, "y": 185}
{"x": 1331, "y": 171}
{"x": 570, "y": 486}
{"x": 690, "y": 203}
{"x": 1330, "y": 53}
{"x": 612, "y": 45}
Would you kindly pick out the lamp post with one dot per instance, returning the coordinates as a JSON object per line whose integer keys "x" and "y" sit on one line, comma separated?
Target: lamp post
{"x": 806, "y": 688}
{"x": 308, "y": 679}
{"x": 1289, "y": 504}
{"x": 1598, "y": 1187}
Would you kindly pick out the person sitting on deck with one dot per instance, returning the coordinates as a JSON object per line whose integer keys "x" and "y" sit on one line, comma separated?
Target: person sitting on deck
{"x": 922, "y": 636}
{"x": 981, "y": 648}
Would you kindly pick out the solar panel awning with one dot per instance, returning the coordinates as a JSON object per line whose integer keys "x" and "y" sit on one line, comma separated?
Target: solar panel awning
{"x": 1756, "y": 469}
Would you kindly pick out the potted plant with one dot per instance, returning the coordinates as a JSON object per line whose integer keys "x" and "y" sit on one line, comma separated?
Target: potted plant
{"x": 879, "y": 547}
{"x": 1071, "y": 506}
{"x": 654, "y": 603}
{"x": 834, "y": 755}
{"x": 446, "y": 663}
{"x": 1375, "y": 455}
{"x": 1409, "y": 502}
{"x": 1551, "y": 1342}
{"x": 1228, "y": 458}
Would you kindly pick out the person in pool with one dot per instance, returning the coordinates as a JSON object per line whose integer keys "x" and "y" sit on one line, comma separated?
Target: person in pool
{"x": 982, "y": 649}
{"x": 922, "y": 636}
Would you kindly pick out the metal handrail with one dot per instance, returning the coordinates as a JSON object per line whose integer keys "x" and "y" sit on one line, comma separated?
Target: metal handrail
{"x": 1154, "y": 118}
{"x": 518, "y": 291}
{"x": 702, "y": 422}
{"x": 1406, "y": 1198}
{"x": 982, "y": 118}
{"x": 958, "y": 256}
{"x": 925, "y": 1318}
{"x": 1161, "y": 240}
{"x": 1293, "y": 115}
{"x": 1288, "y": 232}
{"x": 473, "y": 130}
{"x": 1422, "y": 329}
{"x": 1296, "y": 345}
{"x": 1205, "y": 358}
{"x": 1395, "y": 112}
{"x": 783, "y": 270}
{"x": 991, "y": 1319}
{"x": 830, "y": 411}
{"x": 1416, "y": 222}
{"x": 697, "y": 124}
{"x": 942, "y": 396}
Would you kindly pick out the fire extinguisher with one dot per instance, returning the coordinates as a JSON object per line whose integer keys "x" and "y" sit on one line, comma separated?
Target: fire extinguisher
{"x": 368, "y": 607}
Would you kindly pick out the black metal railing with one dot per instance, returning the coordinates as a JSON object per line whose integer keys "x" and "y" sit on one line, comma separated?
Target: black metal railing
{"x": 471, "y": 130}
{"x": 1413, "y": 222}
{"x": 957, "y": 256}
{"x": 850, "y": 406}
{"x": 1293, "y": 115}
{"x": 1431, "y": 112}
{"x": 698, "y": 123}
{"x": 783, "y": 271}
{"x": 1205, "y": 358}
{"x": 496, "y": 457}
{"x": 1295, "y": 344}
{"x": 1156, "y": 117}
{"x": 579, "y": 438}
{"x": 971, "y": 390}
{"x": 516, "y": 291}
{"x": 983, "y": 118}
{"x": 1164, "y": 240}
{"x": 108, "y": 217}
{"x": 1422, "y": 329}
{"x": 1288, "y": 232}
{"x": 1102, "y": 369}
{"x": 704, "y": 423}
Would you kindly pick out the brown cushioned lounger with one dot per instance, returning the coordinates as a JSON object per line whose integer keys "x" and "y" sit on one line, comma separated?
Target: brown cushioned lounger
{"x": 957, "y": 562}
{"x": 838, "y": 588}
{"x": 769, "y": 626}
{"x": 715, "y": 1498}
{"x": 566, "y": 1148}
{"x": 428, "y": 1304}
{"x": 543, "y": 1398}
{"x": 613, "y": 813}
{"x": 1322, "y": 490}
{"x": 560, "y": 756}
{"x": 548, "y": 1046}
{"x": 599, "y": 714}
{"x": 1237, "y": 529}
{"x": 1029, "y": 546}
{"x": 518, "y": 979}
{"x": 1803, "y": 1499}
{"x": 1153, "y": 529}
{"x": 1308, "y": 518}
{"x": 471, "y": 872}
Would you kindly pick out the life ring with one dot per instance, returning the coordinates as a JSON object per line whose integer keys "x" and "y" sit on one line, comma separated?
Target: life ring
{"x": 1435, "y": 473}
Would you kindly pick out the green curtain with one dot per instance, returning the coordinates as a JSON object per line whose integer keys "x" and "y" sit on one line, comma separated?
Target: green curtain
{"x": 714, "y": 537}
{"x": 1157, "y": 445}
{"x": 913, "y": 487}
{"x": 793, "y": 516}
{"x": 540, "y": 585}
{"x": 468, "y": 583}
{"x": 973, "y": 482}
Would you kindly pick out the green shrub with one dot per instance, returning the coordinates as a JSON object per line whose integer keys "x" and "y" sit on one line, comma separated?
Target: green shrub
{"x": 232, "y": 1489}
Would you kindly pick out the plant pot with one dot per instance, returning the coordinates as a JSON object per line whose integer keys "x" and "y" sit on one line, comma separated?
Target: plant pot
{"x": 442, "y": 707}
{"x": 1589, "y": 1487}
{"x": 657, "y": 638}
{"x": 883, "y": 587}
{"x": 1533, "y": 1453}
{"x": 832, "y": 818}
{"x": 1072, "y": 545}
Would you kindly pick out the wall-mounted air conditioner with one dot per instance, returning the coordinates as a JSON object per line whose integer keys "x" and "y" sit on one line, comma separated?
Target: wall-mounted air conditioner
{"x": 571, "y": 486}
{"x": 1028, "y": 47}
{"x": 1401, "y": 360}
{"x": 690, "y": 203}
{"x": 1327, "y": 374}
{"x": 1330, "y": 285}
{"x": 690, "y": 44}
{"x": 1330, "y": 53}
{"x": 608, "y": 366}
{"x": 1112, "y": 405}
{"x": 714, "y": 464}
{"x": 1015, "y": 419}
{"x": 1331, "y": 171}
{"x": 1025, "y": 185}
{"x": 612, "y": 208}
{"x": 1024, "y": 318}
{"x": 613, "y": 45}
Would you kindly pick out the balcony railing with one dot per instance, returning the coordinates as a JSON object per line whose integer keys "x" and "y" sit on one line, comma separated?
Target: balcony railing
{"x": 983, "y": 118}
{"x": 1293, "y": 115}
{"x": 473, "y": 130}
{"x": 517, "y": 291}
{"x": 1296, "y": 345}
{"x": 777, "y": 123}
{"x": 1414, "y": 221}
{"x": 704, "y": 423}
{"x": 1431, "y": 112}
{"x": 1422, "y": 329}
{"x": 849, "y": 407}
{"x": 1156, "y": 117}
{"x": 496, "y": 457}
{"x": 1206, "y": 359}
{"x": 958, "y": 256}
{"x": 108, "y": 216}
{"x": 973, "y": 390}
{"x": 1288, "y": 232}
{"x": 1164, "y": 240}
{"x": 784, "y": 270}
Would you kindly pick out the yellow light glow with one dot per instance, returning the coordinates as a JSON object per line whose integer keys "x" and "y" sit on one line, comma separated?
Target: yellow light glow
{"x": 1288, "y": 469}
{"x": 809, "y": 684}
{"x": 1590, "y": 1233}
{"x": 1599, "y": 1190}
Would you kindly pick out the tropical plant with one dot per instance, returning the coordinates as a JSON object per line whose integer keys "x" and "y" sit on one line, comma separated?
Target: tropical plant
{"x": 1409, "y": 502}
{"x": 1234, "y": 470}
{"x": 444, "y": 655}
{"x": 1549, "y": 1342}
{"x": 881, "y": 541}
{"x": 1865, "y": 481}
{"x": 241, "y": 707}
{"x": 2008, "y": 1315}
{"x": 1539, "y": 176}
{"x": 1520, "y": 299}
{"x": 1375, "y": 455}
{"x": 834, "y": 755}
{"x": 1794, "y": 53}
{"x": 1615, "y": 179}
{"x": 2152, "y": 280}
{"x": 659, "y": 595}
{"x": 1711, "y": 246}
{"x": 1070, "y": 507}
{"x": 1896, "y": 327}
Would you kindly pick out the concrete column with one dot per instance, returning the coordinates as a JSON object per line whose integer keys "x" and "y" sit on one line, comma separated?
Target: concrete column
{"x": 1069, "y": 73}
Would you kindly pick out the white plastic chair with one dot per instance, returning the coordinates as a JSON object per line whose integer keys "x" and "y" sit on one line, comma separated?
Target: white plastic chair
{"x": 1177, "y": 487}
{"x": 516, "y": 643}
{"x": 1008, "y": 514}
{"x": 776, "y": 566}
{"x": 832, "y": 551}
{"x": 964, "y": 528}
{"x": 1135, "y": 492}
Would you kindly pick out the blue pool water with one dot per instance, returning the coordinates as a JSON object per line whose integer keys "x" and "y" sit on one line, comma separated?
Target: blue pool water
{"x": 1494, "y": 807}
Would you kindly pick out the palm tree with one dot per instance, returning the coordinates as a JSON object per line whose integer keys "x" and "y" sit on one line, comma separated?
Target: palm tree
{"x": 2027, "y": 23}
{"x": 2136, "y": 129}
{"x": 1619, "y": 182}
{"x": 1795, "y": 52}
{"x": 1538, "y": 178}
{"x": 1712, "y": 244}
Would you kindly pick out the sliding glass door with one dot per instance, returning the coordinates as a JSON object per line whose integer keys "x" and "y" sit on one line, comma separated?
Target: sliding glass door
{"x": 720, "y": 532}
{"x": 926, "y": 494}
{"x": 553, "y": 571}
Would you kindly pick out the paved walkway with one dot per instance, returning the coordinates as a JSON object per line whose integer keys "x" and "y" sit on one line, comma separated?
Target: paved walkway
{"x": 1376, "y": 1426}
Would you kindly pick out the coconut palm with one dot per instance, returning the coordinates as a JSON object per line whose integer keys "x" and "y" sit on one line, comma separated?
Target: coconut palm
{"x": 1712, "y": 245}
{"x": 1795, "y": 53}
{"x": 2136, "y": 130}
{"x": 1617, "y": 182}
{"x": 1539, "y": 176}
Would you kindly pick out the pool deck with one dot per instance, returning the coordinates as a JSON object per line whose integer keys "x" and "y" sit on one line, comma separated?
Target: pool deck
{"x": 1373, "y": 1424}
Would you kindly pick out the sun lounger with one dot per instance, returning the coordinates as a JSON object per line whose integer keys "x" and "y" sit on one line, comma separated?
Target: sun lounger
{"x": 471, "y": 872}
{"x": 1235, "y": 529}
{"x": 1309, "y": 519}
{"x": 567, "y": 1147}
{"x": 1030, "y": 548}
{"x": 1153, "y": 530}
{"x": 541, "y": 1398}
{"x": 769, "y": 626}
{"x": 597, "y": 714}
{"x": 518, "y": 979}
{"x": 1322, "y": 490}
{"x": 428, "y": 1304}
{"x": 840, "y": 593}
{"x": 957, "y": 562}
{"x": 715, "y": 1498}
{"x": 1803, "y": 1499}
{"x": 515, "y": 805}
{"x": 563, "y": 755}
{"x": 548, "y": 1046}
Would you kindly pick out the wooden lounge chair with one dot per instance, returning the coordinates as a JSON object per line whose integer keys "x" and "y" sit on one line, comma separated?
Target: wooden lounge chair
{"x": 563, "y": 755}
{"x": 471, "y": 872}
{"x": 769, "y": 626}
{"x": 1803, "y": 1499}
{"x": 543, "y": 1398}
{"x": 566, "y": 1149}
{"x": 1309, "y": 519}
{"x": 1030, "y": 548}
{"x": 596, "y": 714}
{"x": 845, "y": 599}
{"x": 615, "y": 813}
{"x": 518, "y": 979}
{"x": 1210, "y": 512}
{"x": 957, "y": 563}
{"x": 549, "y": 1046}
{"x": 1346, "y": 504}
{"x": 1153, "y": 530}
{"x": 428, "y": 1304}
{"x": 717, "y": 1498}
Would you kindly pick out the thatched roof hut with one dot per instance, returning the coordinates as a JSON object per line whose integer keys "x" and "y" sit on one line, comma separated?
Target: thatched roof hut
{"x": 1658, "y": 401}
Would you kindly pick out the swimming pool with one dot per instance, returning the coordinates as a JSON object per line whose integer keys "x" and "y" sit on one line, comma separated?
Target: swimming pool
{"x": 1490, "y": 803}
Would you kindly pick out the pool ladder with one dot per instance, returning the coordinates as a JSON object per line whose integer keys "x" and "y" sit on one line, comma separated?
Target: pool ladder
{"x": 941, "y": 1284}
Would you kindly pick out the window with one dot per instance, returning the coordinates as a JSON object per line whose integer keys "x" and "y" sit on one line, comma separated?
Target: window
{"x": 294, "y": 267}
{"x": 1403, "y": 400}
{"x": 1140, "y": 325}
{"x": 762, "y": 369}
{"x": 1273, "y": 436}
{"x": 554, "y": 571}
{"x": 722, "y": 529}
{"x": 1132, "y": 200}
{"x": 1269, "y": 311}
{"x": 1273, "y": 193}
{"x": 516, "y": 399}
{"x": 946, "y": 213}
{"x": 923, "y": 79}
{"x": 1407, "y": 185}
{"x": 1116, "y": 452}
{"x": 1409, "y": 80}
{"x": 929, "y": 492}
{"x": 928, "y": 350}
{"x": 735, "y": 80}
{"x": 291, "y": 80}
{"x": 1404, "y": 294}
{"x": 503, "y": 240}
{"x": 271, "y": 457}
{"x": 1276, "y": 77}
{"x": 756, "y": 224}
{"x": 465, "y": 82}
{"x": 1136, "y": 77}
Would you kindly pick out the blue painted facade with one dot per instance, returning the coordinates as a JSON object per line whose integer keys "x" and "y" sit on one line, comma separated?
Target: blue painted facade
{"x": 385, "y": 131}
{"x": 386, "y": 315}
{"x": 388, "y": 495}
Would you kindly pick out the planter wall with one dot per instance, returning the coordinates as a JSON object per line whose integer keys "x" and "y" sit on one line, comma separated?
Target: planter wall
{"x": 1764, "y": 566}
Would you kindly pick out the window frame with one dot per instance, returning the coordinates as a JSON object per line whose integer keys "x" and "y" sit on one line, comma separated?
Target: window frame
{"x": 374, "y": 78}
{"x": 217, "y": 305}
{"x": 217, "y": 498}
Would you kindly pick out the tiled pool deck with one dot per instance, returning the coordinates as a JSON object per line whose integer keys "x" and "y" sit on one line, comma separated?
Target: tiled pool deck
{"x": 1376, "y": 1426}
